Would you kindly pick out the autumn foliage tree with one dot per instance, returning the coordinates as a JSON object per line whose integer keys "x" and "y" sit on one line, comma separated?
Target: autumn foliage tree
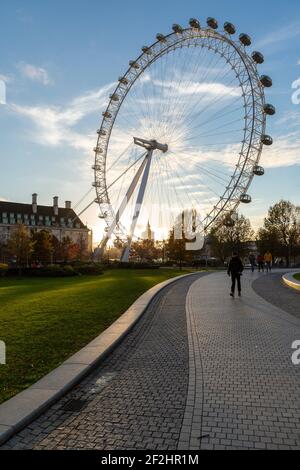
{"x": 21, "y": 246}
{"x": 145, "y": 250}
{"x": 281, "y": 231}
{"x": 43, "y": 246}
{"x": 230, "y": 237}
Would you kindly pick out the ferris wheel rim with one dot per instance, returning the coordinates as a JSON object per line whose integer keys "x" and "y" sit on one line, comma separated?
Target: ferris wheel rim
{"x": 240, "y": 185}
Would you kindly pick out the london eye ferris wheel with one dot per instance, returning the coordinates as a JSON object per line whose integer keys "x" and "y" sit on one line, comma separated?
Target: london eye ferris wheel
{"x": 184, "y": 129}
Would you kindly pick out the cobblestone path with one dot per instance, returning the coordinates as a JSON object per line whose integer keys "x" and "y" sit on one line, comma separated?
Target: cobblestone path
{"x": 136, "y": 400}
{"x": 200, "y": 370}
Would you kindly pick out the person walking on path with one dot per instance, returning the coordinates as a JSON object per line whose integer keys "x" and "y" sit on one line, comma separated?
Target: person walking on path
{"x": 252, "y": 261}
{"x": 235, "y": 269}
{"x": 260, "y": 263}
{"x": 268, "y": 259}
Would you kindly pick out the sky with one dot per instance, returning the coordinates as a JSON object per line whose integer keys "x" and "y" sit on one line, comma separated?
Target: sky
{"x": 59, "y": 60}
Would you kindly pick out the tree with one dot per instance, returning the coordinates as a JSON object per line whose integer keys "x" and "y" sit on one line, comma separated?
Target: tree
{"x": 282, "y": 230}
{"x": 185, "y": 227}
{"x": 68, "y": 249}
{"x": 82, "y": 247}
{"x": 3, "y": 248}
{"x": 175, "y": 249}
{"x": 21, "y": 246}
{"x": 43, "y": 247}
{"x": 230, "y": 237}
{"x": 145, "y": 250}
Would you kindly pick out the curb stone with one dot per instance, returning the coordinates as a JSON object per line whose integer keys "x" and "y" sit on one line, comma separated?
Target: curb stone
{"x": 290, "y": 281}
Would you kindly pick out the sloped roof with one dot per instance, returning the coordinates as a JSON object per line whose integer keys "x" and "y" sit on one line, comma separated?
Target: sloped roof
{"x": 19, "y": 208}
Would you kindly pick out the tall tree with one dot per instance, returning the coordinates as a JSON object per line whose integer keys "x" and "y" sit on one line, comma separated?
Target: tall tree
{"x": 82, "y": 247}
{"x": 231, "y": 236}
{"x": 3, "y": 248}
{"x": 175, "y": 249}
{"x": 146, "y": 250}
{"x": 67, "y": 248}
{"x": 282, "y": 229}
{"x": 21, "y": 246}
{"x": 43, "y": 247}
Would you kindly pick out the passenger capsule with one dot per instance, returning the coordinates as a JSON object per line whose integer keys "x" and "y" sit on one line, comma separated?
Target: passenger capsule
{"x": 114, "y": 97}
{"x": 245, "y": 198}
{"x": 123, "y": 80}
{"x": 106, "y": 114}
{"x": 229, "y": 28}
{"x": 161, "y": 37}
{"x": 258, "y": 57}
{"x": 245, "y": 39}
{"x": 228, "y": 221}
{"x": 194, "y": 23}
{"x": 266, "y": 139}
{"x": 266, "y": 81}
{"x": 258, "y": 170}
{"x": 96, "y": 167}
{"x": 134, "y": 64}
{"x": 147, "y": 50}
{"x": 177, "y": 28}
{"x": 98, "y": 149}
{"x": 269, "y": 109}
{"x": 212, "y": 23}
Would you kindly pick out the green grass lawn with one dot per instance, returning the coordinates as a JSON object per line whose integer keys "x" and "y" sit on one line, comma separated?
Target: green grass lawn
{"x": 297, "y": 276}
{"x": 44, "y": 321}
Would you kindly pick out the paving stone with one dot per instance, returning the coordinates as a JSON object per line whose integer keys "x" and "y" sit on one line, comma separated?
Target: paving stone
{"x": 200, "y": 370}
{"x": 241, "y": 351}
{"x": 148, "y": 385}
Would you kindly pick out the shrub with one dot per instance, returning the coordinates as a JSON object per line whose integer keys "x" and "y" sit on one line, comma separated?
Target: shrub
{"x": 3, "y": 269}
{"x": 91, "y": 268}
{"x": 69, "y": 271}
{"x": 54, "y": 270}
{"x": 134, "y": 265}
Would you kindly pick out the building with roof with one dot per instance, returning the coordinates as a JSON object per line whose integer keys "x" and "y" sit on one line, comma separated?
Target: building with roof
{"x": 61, "y": 222}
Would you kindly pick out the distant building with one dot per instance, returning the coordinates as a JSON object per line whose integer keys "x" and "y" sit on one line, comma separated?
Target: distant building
{"x": 148, "y": 234}
{"x": 59, "y": 221}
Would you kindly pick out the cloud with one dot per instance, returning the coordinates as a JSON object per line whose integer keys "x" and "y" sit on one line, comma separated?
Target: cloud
{"x": 284, "y": 152}
{"x": 283, "y": 34}
{"x": 5, "y": 78}
{"x": 37, "y": 74}
{"x": 54, "y": 125}
{"x": 192, "y": 88}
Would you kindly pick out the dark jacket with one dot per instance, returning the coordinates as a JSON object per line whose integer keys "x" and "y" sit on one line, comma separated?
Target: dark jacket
{"x": 235, "y": 266}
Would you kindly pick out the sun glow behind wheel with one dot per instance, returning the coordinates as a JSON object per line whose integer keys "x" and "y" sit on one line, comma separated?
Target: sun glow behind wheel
{"x": 199, "y": 93}
{"x": 186, "y": 103}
